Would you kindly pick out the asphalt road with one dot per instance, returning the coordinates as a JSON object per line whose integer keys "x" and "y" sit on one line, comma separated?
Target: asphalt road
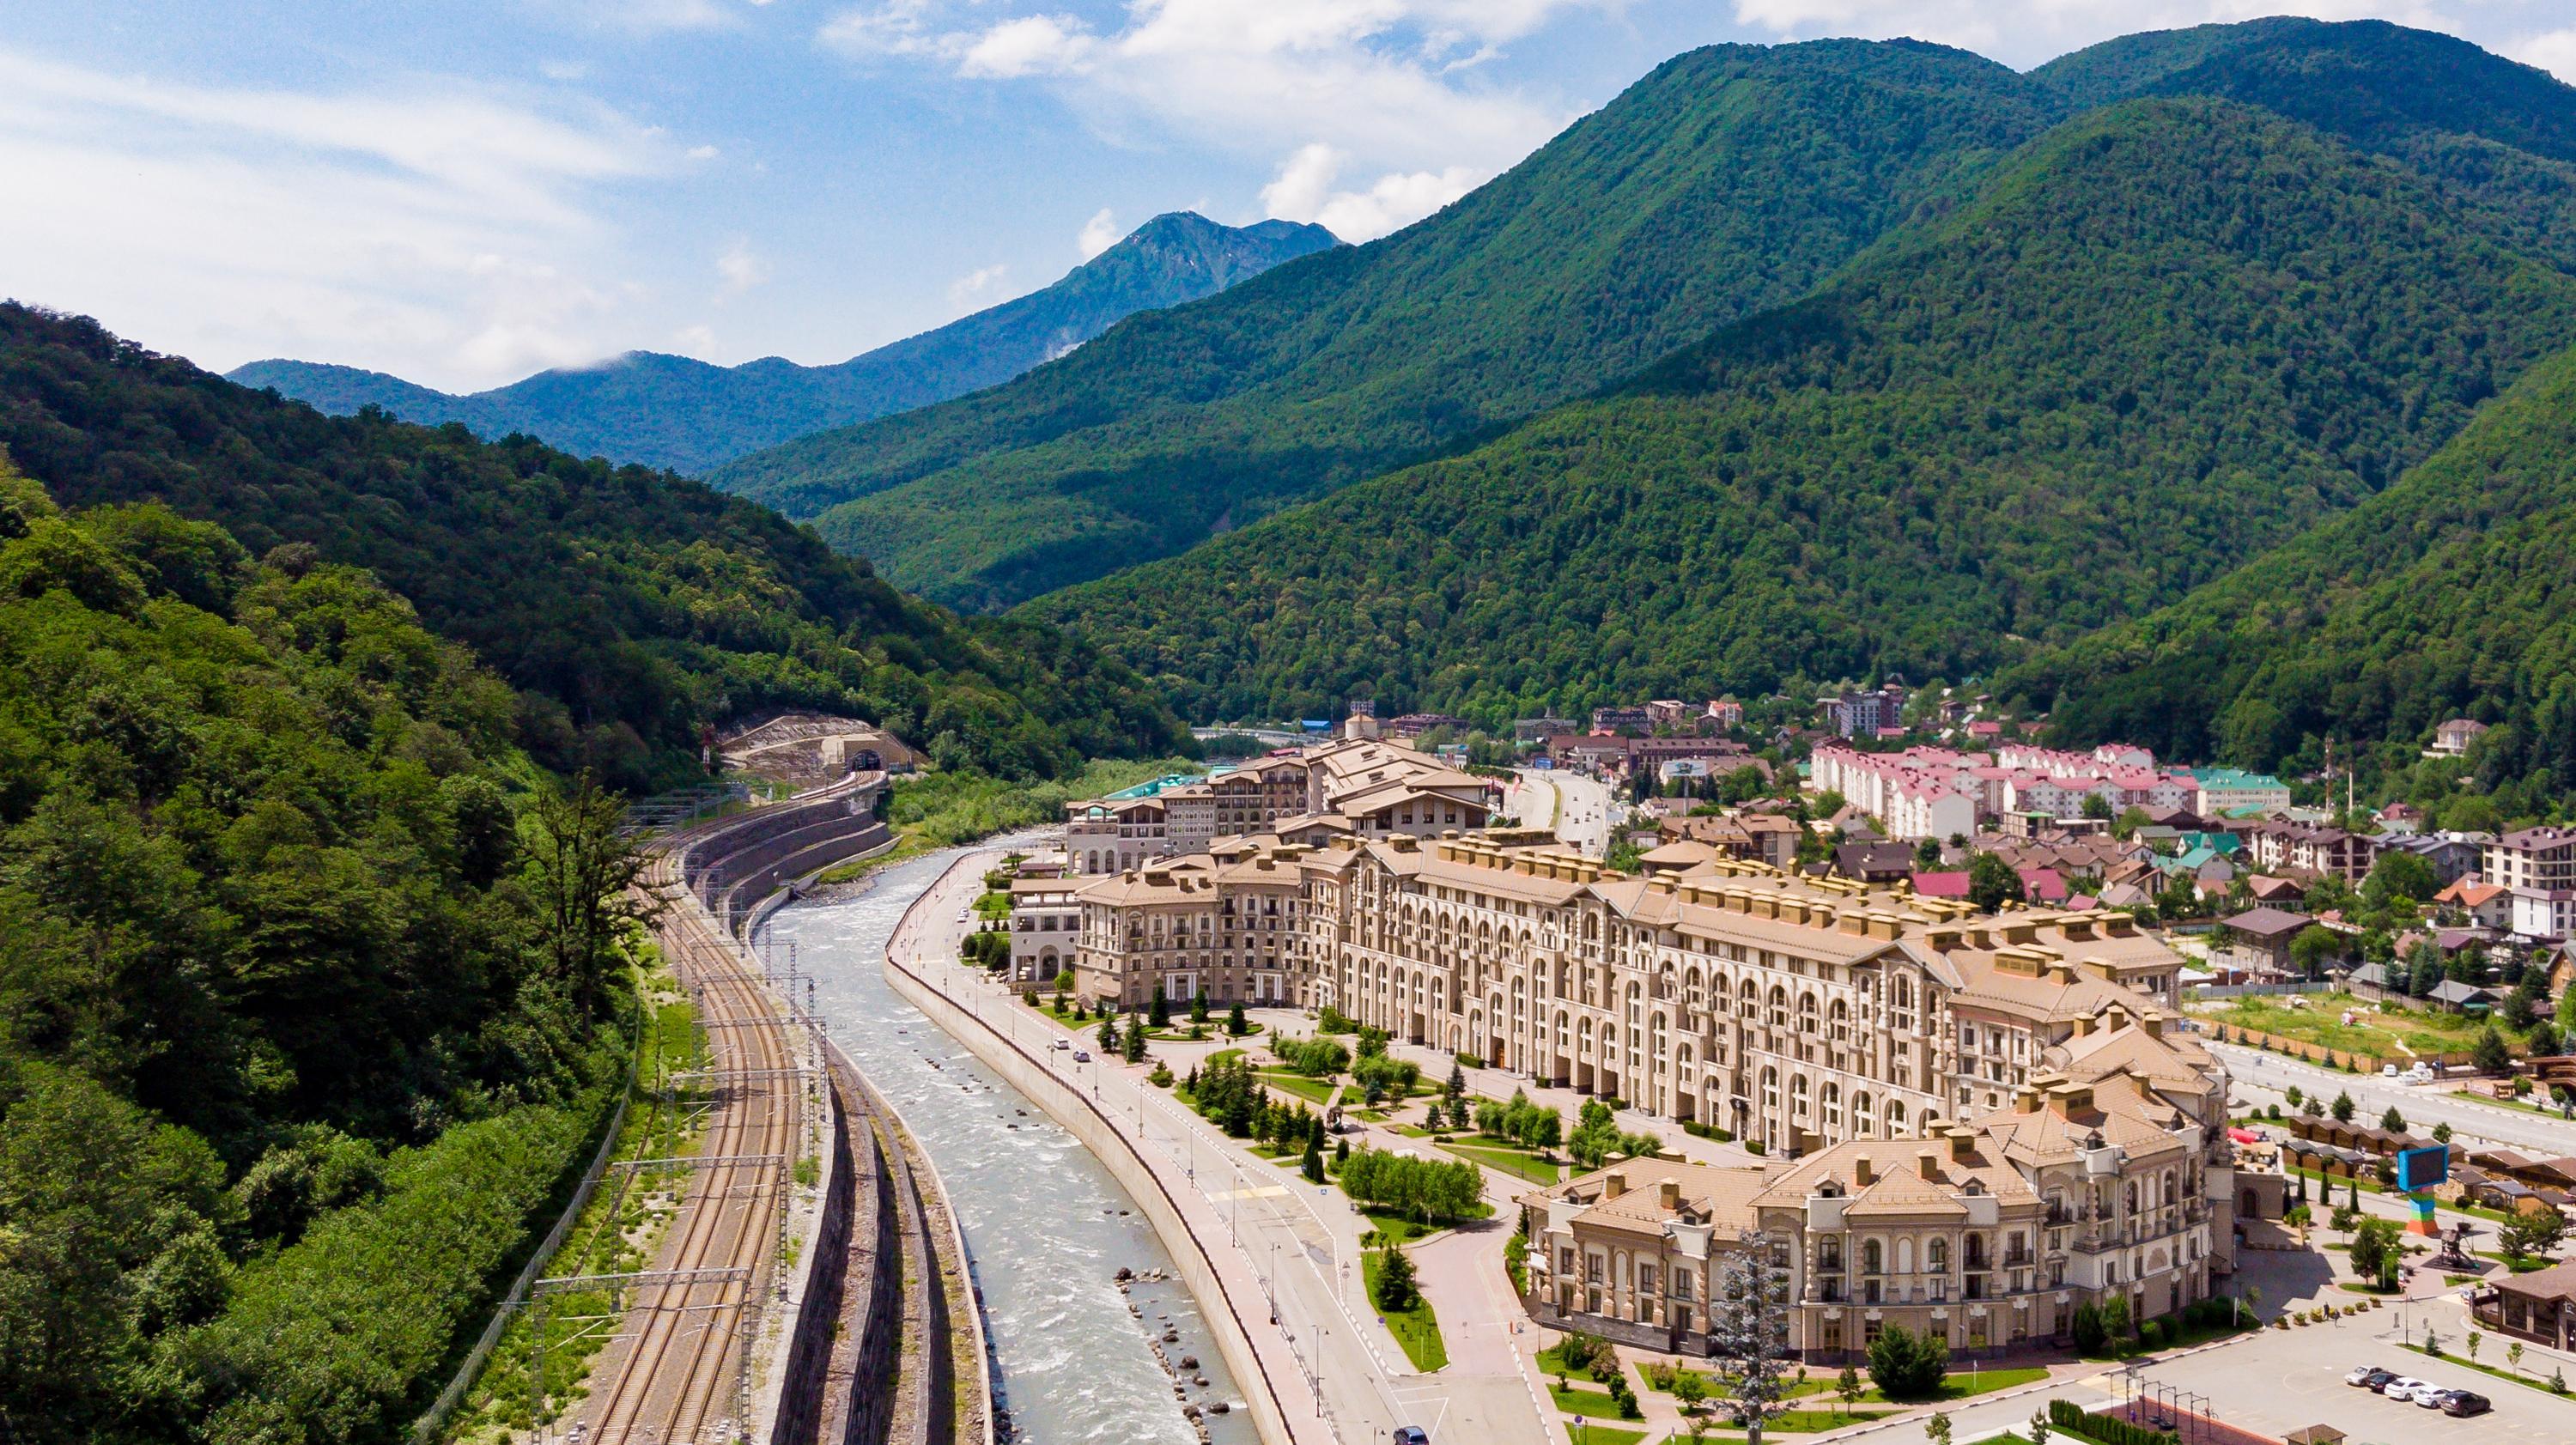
{"x": 1584, "y": 808}
{"x": 2263, "y": 1078}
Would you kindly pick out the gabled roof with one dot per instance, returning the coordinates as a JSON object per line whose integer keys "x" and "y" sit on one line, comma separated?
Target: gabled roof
{"x": 2266, "y": 923}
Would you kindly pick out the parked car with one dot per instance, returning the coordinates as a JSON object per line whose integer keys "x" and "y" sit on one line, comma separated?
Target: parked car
{"x": 2403, "y": 1387}
{"x": 1411, "y": 1435}
{"x": 2376, "y": 1378}
{"x": 2361, "y": 1375}
{"x": 2466, "y": 1402}
{"x": 2432, "y": 1397}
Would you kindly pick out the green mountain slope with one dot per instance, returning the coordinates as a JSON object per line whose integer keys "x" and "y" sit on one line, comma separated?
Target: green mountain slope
{"x": 2495, "y": 138}
{"x": 2451, "y": 594}
{"x": 2166, "y": 336}
{"x": 630, "y": 608}
{"x": 281, "y": 1002}
{"x": 1730, "y": 180}
{"x": 671, "y": 411}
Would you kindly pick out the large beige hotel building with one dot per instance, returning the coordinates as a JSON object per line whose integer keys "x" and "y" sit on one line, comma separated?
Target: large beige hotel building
{"x": 1967, "y": 1122}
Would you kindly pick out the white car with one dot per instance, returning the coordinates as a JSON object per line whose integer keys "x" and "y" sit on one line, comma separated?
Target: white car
{"x": 2403, "y": 1387}
{"x": 2361, "y": 1375}
{"x": 2432, "y": 1396}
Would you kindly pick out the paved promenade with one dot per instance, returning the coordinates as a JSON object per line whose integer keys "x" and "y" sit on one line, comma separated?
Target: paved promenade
{"x": 1286, "y": 1252}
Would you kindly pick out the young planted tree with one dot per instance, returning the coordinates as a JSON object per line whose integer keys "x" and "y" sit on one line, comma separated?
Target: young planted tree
{"x": 1397, "y": 1288}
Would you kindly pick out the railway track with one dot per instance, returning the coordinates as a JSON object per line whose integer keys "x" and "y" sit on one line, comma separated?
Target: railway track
{"x": 682, "y": 1373}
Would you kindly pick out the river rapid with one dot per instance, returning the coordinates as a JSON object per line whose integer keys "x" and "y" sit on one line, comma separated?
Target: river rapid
{"x": 1046, "y": 1227}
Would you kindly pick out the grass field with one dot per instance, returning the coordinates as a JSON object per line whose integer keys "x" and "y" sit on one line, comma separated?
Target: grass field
{"x": 1594, "y": 1433}
{"x": 1509, "y": 1160}
{"x": 1312, "y": 1090}
{"x": 1416, "y": 1329}
{"x": 2381, "y": 1033}
{"x": 1595, "y": 1403}
{"x": 1958, "y": 1385}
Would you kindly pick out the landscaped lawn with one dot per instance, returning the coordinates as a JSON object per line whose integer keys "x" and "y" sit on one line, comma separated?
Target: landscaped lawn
{"x": 1595, "y": 1403}
{"x": 1509, "y": 1160}
{"x": 1958, "y": 1385}
{"x": 2449, "y": 1357}
{"x": 1312, "y": 1090}
{"x": 1799, "y": 1422}
{"x": 1594, "y": 1433}
{"x": 1416, "y": 1329}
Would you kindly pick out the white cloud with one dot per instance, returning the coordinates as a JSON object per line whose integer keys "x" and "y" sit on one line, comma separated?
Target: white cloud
{"x": 1383, "y": 80}
{"x": 2554, "y": 52}
{"x": 1303, "y": 191}
{"x": 564, "y": 70}
{"x": 898, "y": 27}
{"x": 703, "y": 153}
{"x": 424, "y": 228}
{"x": 1099, "y": 233}
{"x": 739, "y": 268}
{"x": 978, "y": 284}
{"x": 698, "y": 341}
{"x": 1030, "y": 45}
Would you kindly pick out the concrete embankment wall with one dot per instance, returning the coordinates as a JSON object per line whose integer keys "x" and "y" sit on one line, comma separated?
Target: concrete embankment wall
{"x": 1117, "y": 1152}
{"x": 839, "y": 1356}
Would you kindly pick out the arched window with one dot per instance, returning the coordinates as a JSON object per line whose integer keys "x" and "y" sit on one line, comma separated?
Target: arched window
{"x": 1936, "y": 1255}
{"x": 1871, "y": 1260}
{"x": 1779, "y": 1006}
{"x": 1860, "y": 1114}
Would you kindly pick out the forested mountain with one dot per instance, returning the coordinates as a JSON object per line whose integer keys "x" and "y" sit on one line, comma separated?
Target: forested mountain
{"x": 2165, "y": 336}
{"x": 290, "y": 1045}
{"x": 630, "y": 608}
{"x": 2451, "y": 594}
{"x": 1730, "y": 180}
{"x": 672, "y": 411}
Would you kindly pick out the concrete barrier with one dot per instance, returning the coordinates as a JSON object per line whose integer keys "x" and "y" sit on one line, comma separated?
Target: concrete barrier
{"x": 1117, "y": 1152}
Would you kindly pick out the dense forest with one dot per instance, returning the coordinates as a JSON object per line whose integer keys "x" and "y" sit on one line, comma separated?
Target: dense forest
{"x": 1731, "y": 179}
{"x": 630, "y": 608}
{"x": 292, "y": 1049}
{"x": 2160, "y": 339}
{"x": 2453, "y": 593}
{"x": 672, "y": 411}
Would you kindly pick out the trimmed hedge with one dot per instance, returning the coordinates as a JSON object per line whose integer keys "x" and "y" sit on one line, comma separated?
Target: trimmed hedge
{"x": 2072, "y": 1418}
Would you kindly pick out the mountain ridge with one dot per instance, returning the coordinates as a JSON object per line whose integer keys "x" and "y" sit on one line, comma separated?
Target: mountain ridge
{"x": 1729, "y": 179}
{"x": 672, "y": 411}
{"x": 2112, "y": 375}
{"x": 630, "y": 609}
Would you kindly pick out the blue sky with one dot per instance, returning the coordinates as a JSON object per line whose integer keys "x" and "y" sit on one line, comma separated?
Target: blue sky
{"x": 462, "y": 193}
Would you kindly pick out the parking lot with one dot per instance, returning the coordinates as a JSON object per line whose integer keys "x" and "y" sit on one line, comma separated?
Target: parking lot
{"x": 2286, "y": 1379}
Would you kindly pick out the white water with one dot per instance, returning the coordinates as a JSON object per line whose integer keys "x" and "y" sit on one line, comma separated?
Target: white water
{"x": 1046, "y": 1227}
